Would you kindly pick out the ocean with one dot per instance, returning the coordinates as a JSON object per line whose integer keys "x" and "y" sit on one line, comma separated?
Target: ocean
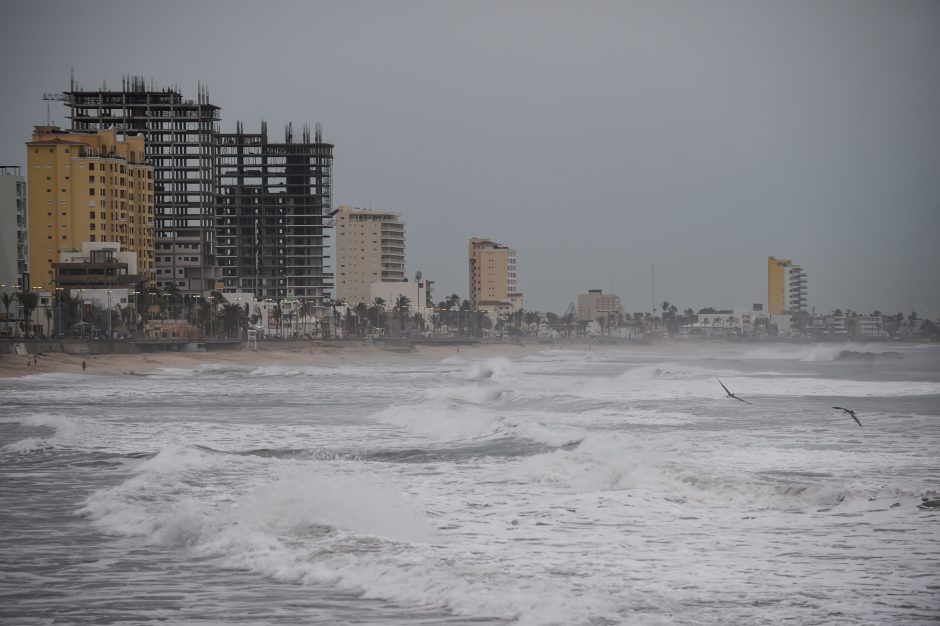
{"x": 569, "y": 487}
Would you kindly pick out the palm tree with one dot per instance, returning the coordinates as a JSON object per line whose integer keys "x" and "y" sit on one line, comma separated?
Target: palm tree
{"x": 465, "y": 320}
{"x": 7, "y": 299}
{"x": 28, "y": 300}
{"x": 533, "y": 317}
{"x": 552, "y": 320}
{"x": 567, "y": 320}
{"x": 377, "y": 312}
{"x": 502, "y": 320}
{"x": 305, "y": 311}
{"x": 517, "y": 318}
{"x": 234, "y": 319}
{"x": 277, "y": 314}
{"x": 362, "y": 318}
{"x": 173, "y": 296}
{"x": 402, "y": 304}
{"x": 70, "y": 304}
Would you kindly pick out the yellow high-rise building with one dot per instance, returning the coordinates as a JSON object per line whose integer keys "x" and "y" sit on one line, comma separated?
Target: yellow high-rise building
{"x": 786, "y": 287}
{"x": 493, "y": 276}
{"x": 88, "y": 187}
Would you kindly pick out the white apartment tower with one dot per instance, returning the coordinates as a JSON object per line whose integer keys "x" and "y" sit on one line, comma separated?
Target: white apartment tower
{"x": 13, "y": 233}
{"x": 370, "y": 248}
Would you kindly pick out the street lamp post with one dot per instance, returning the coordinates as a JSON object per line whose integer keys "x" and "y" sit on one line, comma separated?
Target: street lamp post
{"x": 109, "y": 314}
{"x": 57, "y": 307}
{"x": 35, "y": 311}
{"x": 81, "y": 313}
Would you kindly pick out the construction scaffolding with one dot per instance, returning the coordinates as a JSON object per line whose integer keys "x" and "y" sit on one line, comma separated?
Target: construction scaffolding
{"x": 272, "y": 214}
{"x": 181, "y": 139}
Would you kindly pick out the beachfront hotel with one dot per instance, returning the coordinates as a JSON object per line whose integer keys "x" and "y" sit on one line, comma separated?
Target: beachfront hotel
{"x": 370, "y": 248}
{"x": 786, "y": 287}
{"x": 87, "y": 187}
{"x": 493, "y": 286}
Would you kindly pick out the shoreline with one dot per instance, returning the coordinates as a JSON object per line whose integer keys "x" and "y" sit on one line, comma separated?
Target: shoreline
{"x": 330, "y": 355}
{"x": 143, "y": 363}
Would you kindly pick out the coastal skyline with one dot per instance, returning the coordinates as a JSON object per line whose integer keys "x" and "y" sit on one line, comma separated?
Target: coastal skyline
{"x": 594, "y": 139}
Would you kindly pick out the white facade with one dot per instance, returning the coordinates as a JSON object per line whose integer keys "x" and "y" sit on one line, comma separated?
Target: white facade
{"x": 796, "y": 289}
{"x": 13, "y": 227}
{"x": 416, "y": 293}
{"x": 84, "y": 256}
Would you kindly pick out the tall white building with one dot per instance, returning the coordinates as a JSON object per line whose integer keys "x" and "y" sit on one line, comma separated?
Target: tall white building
{"x": 13, "y": 226}
{"x": 370, "y": 248}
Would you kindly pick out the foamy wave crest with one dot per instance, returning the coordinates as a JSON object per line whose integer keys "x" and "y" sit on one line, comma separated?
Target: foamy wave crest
{"x": 486, "y": 391}
{"x": 600, "y": 462}
{"x": 668, "y": 372}
{"x": 491, "y": 369}
{"x": 812, "y": 352}
{"x": 609, "y": 463}
{"x": 454, "y": 360}
{"x": 440, "y": 420}
{"x": 30, "y": 444}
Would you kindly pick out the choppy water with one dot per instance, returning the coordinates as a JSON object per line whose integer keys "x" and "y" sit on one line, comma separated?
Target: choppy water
{"x": 565, "y": 487}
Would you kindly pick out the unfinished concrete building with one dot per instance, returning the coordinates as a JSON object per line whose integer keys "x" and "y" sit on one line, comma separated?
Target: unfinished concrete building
{"x": 272, "y": 215}
{"x": 181, "y": 142}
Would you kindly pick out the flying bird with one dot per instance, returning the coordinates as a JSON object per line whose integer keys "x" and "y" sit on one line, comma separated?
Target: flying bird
{"x": 728, "y": 391}
{"x": 850, "y": 412}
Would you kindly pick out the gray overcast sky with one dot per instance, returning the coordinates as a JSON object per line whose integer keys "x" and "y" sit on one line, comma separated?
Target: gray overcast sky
{"x": 596, "y": 138}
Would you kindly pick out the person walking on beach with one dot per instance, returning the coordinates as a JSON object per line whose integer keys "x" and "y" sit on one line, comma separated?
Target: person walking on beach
{"x": 84, "y": 365}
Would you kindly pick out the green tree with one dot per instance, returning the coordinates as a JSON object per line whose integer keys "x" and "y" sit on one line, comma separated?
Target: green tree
{"x": 362, "y": 319}
{"x": 552, "y": 320}
{"x": 402, "y": 305}
{"x": 305, "y": 311}
{"x": 533, "y": 317}
{"x": 8, "y": 299}
{"x": 28, "y": 300}
{"x": 377, "y": 312}
{"x": 173, "y": 297}
{"x": 929, "y": 330}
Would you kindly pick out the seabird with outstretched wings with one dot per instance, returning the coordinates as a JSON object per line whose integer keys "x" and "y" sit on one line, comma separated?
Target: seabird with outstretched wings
{"x": 850, "y": 412}
{"x": 728, "y": 391}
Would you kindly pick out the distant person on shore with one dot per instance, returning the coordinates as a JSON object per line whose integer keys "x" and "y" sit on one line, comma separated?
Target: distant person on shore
{"x": 84, "y": 365}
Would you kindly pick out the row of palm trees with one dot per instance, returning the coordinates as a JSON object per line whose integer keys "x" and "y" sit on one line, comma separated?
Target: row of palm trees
{"x": 28, "y": 301}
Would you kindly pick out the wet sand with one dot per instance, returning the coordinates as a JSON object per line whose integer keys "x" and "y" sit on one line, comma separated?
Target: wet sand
{"x": 267, "y": 354}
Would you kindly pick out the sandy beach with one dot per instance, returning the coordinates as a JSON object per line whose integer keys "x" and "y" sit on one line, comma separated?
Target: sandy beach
{"x": 298, "y": 353}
